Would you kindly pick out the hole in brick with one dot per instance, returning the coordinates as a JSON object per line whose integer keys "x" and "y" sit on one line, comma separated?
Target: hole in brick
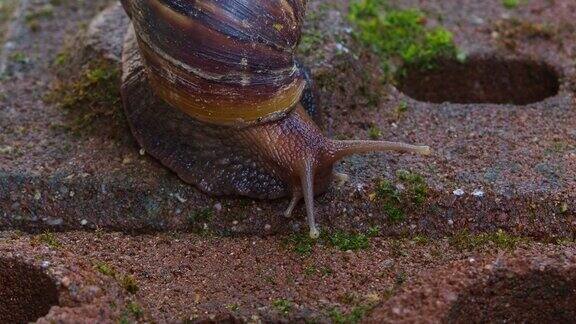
{"x": 26, "y": 293}
{"x": 482, "y": 80}
{"x": 536, "y": 297}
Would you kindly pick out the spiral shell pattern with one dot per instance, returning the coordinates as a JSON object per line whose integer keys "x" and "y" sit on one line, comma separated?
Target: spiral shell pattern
{"x": 227, "y": 62}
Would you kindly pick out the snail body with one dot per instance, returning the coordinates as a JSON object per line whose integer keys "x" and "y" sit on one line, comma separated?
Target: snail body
{"x": 212, "y": 90}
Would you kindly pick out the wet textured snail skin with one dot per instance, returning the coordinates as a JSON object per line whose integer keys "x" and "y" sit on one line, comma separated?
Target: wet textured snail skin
{"x": 211, "y": 89}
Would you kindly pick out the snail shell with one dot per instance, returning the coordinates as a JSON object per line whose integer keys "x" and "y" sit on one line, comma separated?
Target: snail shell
{"x": 225, "y": 62}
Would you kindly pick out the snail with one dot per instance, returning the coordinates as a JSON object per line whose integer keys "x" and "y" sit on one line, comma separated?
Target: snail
{"x": 212, "y": 89}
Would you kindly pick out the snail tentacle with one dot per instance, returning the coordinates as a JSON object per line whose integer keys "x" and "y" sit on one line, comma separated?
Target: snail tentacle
{"x": 343, "y": 149}
{"x": 296, "y": 196}
{"x": 307, "y": 180}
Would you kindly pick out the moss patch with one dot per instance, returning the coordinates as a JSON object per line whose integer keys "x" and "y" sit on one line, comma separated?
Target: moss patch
{"x": 416, "y": 188}
{"x": 199, "y": 216}
{"x": 19, "y": 57}
{"x": 314, "y": 36}
{"x": 354, "y": 316}
{"x": 511, "y": 4}
{"x": 411, "y": 192}
{"x": 303, "y": 245}
{"x": 47, "y": 238}
{"x": 400, "y": 35}
{"x": 349, "y": 241}
{"x": 465, "y": 241}
{"x": 135, "y": 309}
{"x": 283, "y": 306}
{"x": 92, "y": 99}
{"x": 105, "y": 269}
{"x": 374, "y": 132}
{"x": 343, "y": 75}
{"x": 127, "y": 282}
{"x": 132, "y": 312}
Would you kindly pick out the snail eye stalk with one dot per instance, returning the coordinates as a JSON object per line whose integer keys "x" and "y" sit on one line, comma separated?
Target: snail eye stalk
{"x": 343, "y": 149}
{"x": 307, "y": 180}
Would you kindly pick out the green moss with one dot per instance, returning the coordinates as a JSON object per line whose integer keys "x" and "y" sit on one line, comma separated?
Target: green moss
{"x": 394, "y": 201}
{"x": 566, "y": 241}
{"x": 349, "y": 241}
{"x": 62, "y": 58}
{"x": 365, "y": 87}
{"x": 310, "y": 41}
{"x": 124, "y": 319}
{"x": 394, "y": 212}
{"x": 19, "y": 57}
{"x": 132, "y": 313}
{"x": 401, "y": 109}
{"x": 510, "y": 4}
{"x": 233, "y": 307}
{"x": 327, "y": 271}
{"x": 283, "y": 306}
{"x": 105, "y": 269}
{"x": 135, "y": 309}
{"x": 127, "y": 282}
{"x": 310, "y": 270}
{"x": 420, "y": 240}
{"x": 199, "y": 216}
{"x": 505, "y": 241}
{"x": 92, "y": 96}
{"x": 373, "y": 231}
{"x": 400, "y": 35}
{"x": 563, "y": 207}
{"x": 416, "y": 187}
{"x": 354, "y": 316}
{"x": 502, "y": 240}
{"x": 400, "y": 279}
{"x": 130, "y": 284}
{"x": 391, "y": 201}
{"x": 374, "y": 132}
{"x": 48, "y": 239}
{"x": 386, "y": 190}
{"x": 301, "y": 244}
